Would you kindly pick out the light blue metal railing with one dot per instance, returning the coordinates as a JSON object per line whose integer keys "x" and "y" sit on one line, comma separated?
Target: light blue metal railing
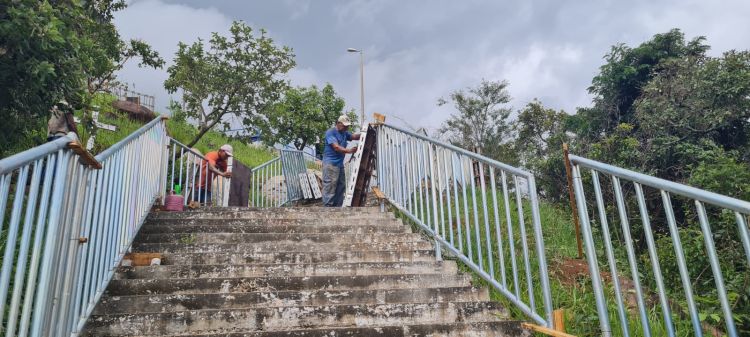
{"x": 70, "y": 225}
{"x": 667, "y": 192}
{"x": 453, "y": 194}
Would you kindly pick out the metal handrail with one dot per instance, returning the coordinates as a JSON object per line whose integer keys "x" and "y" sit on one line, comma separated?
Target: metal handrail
{"x": 70, "y": 225}
{"x": 667, "y": 189}
{"x": 432, "y": 184}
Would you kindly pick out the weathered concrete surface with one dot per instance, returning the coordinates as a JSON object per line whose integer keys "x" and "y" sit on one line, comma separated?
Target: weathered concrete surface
{"x": 299, "y": 257}
{"x": 292, "y": 272}
{"x": 170, "y": 302}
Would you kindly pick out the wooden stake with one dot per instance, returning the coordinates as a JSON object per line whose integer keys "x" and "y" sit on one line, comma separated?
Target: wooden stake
{"x": 545, "y": 330}
{"x": 569, "y": 172}
{"x": 558, "y": 320}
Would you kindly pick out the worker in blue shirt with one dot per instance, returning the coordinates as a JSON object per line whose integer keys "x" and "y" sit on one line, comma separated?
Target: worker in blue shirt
{"x": 334, "y": 178}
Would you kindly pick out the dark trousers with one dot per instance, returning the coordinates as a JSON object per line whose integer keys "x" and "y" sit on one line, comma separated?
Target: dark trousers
{"x": 202, "y": 195}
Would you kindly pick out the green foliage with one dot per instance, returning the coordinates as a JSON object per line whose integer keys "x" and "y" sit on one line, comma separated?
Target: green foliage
{"x": 52, "y": 51}
{"x": 302, "y": 116}
{"x": 482, "y": 119}
{"x": 238, "y": 75}
{"x": 249, "y": 155}
{"x": 540, "y": 133}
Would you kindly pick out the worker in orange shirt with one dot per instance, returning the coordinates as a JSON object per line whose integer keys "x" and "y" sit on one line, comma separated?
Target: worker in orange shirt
{"x": 214, "y": 164}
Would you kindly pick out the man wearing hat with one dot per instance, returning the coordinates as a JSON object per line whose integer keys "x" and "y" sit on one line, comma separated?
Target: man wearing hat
{"x": 334, "y": 178}
{"x": 215, "y": 164}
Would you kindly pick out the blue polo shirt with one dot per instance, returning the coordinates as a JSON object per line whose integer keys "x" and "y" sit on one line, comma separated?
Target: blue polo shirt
{"x": 330, "y": 156}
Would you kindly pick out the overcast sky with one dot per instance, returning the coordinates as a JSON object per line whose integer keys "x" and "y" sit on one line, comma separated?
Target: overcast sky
{"x": 419, "y": 51}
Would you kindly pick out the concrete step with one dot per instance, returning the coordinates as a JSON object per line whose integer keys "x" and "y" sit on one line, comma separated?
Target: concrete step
{"x": 473, "y": 329}
{"x": 278, "y": 283}
{"x": 298, "y": 257}
{"x": 319, "y": 209}
{"x": 282, "y": 214}
{"x": 261, "y": 270}
{"x": 285, "y": 318}
{"x": 169, "y": 302}
{"x": 277, "y": 238}
{"x": 240, "y": 226}
{"x": 279, "y": 246}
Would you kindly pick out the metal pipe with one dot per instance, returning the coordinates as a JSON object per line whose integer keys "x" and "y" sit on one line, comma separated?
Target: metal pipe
{"x": 654, "y": 260}
{"x": 681, "y": 265}
{"x": 524, "y": 243}
{"x": 500, "y": 251}
{"x": 666, "y": 185}
{"x": 486, "y": 222}
{"x": 476, "y": 218}
{"x": 511, "y": 238}
{"x": 588, "y": 239}
{"x": 708, "y": 240}
{"x": 622, "y": 313}
{"x": 632, "y": 261}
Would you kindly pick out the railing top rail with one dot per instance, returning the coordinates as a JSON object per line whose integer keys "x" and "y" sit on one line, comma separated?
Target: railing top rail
{"x": 267, "y": 163}
{"x": 112, "y": 149}
{"x": 19, "y": 159}
{"x": 666, "y": 185}
{"x": 186, "y": 147}
{"x": 475, "y": 156}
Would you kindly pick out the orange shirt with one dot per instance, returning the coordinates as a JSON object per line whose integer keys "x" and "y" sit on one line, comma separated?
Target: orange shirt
{"x": 213, "y": 158}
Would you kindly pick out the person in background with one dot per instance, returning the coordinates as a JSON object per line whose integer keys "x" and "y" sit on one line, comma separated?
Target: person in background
{"x": 215, "y": 164}
{"x": 334, "y": 177}
{"x": 61, "y": 121}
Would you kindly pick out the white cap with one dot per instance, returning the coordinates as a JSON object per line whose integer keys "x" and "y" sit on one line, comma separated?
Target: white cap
{"x": 344, "y": 120}
{"x": 227, "y": 148}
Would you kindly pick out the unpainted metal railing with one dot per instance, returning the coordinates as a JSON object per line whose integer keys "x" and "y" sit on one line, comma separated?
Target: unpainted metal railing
{"x": 475, "y": 208}
{"x": 694, "y": 200}
{"x": 269, "y": 185}
{"x": 186, "y": 167}
{"x": 70, "y": 225}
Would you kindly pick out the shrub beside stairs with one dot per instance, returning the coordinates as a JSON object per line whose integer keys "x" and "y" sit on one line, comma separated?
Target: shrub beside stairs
{"x": 292, "y": 272}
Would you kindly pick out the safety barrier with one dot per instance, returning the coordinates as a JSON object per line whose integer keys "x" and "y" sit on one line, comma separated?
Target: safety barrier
{"x": 667, "y": 191}
{"x": 70, "y": 224}
{"x": 451, "y": 193}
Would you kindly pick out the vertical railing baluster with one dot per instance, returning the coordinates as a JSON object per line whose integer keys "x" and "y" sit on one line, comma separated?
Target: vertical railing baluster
{"x": 498, "y": 231}
{"x": 524, "y": 243}
{"x": 623, "y": 314}
{"x": 681, "y": 264}
{"x": 647, "y": 231}
{"x": 511, "y": 238}
{"x": 713, "y": 260}
{"x": 632, "y": 261}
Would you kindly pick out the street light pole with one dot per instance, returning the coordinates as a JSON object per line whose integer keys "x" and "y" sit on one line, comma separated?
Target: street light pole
{"x": 361, "y": 79}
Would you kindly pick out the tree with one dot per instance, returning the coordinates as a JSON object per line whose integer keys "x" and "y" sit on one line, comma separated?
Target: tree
{"x": 540, "y": 133}
{"x": 481, "y": 121}
{"x": 621, "y": 79}
{"x": 238, "y": 75}
{"x": 302, "y": 116}
{"x": 49, "y": 51}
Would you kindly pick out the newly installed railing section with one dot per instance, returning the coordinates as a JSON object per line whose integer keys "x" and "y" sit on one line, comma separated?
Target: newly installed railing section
{"x": 276, "y": 182}
{"x": 69, "y": 226}
{"x": 476, "y": 208}
{"x": 266, "y": 182}
{"x": 186, "y": 169}
{"x": 693, "y": 201}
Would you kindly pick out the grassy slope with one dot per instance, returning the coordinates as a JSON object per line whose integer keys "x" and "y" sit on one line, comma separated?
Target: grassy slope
{"x": 181, "y": 131}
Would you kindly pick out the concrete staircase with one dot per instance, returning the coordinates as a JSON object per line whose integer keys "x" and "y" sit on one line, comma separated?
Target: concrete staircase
{"x": 292, "y": 272}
